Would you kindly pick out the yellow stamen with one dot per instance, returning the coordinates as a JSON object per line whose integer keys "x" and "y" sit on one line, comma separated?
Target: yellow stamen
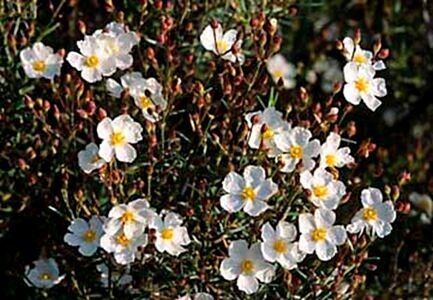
{"x": 362, "y": 85}
{"x": 330, "y": 160}
{"x": 359, "y": 59}
{"x": 92, "y": 61}
{"x": 89, "y": 236}
{"x": 45, "y": 276}
{"x": 145, "y": 102}
{"x": 222, "y": 46}
{"x": 319, "y": 234}
{"x": 167, "y": 233}
{"x": 117, "y": 138}
{"x": 128, "y": 217}
{"x": 278, "y": 74}
{"x": 280, "y": 246}
{"x": 369, "y": 214}
{"x": 39, "y": 66}
{"x": 122, "y": 240}
{"x": 248, "y": 194}
{"x": 296, "y": 152}
{"x": 268, "y": 133}
{"x": 247, "y": 266}
{"x": 320, "y": 191}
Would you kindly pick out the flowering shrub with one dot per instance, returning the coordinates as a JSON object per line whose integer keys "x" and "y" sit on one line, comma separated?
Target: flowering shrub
{"x": 187, "y": 150}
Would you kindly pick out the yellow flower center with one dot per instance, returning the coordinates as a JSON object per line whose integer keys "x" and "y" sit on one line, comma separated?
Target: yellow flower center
{"x": 89, "y": 236}
{"x": 369, "y": 214}
{"x": 278, "y": 74}
{"x": 268, "y": 133}
{"x": 330, "y": 160}
{"x": 121, "y": 239}
{"x": 45, "y": 276}
{"x": 248, "y": 194}
{"x": 359, "y": 58}
{"x": 128, "y": 217}
{"x": 112, "y": 47}
{"x": 319, "y": 234}
{"x": 145, "y": 102}
{"x": 167, "y": 233}
{"x": 222, "y": 46}
{"x": 94, "y": 158}
{"x": 280, "y": 246}
{"x": 247, "y": 266}
{"x": 39, "y": 66}
{"x": 362, "y": 85}
{"x": 296, "y": 152}
{"x": 92, "y": 61}
{"x": 117, "y": 138}
{"x": 320, "y": 191}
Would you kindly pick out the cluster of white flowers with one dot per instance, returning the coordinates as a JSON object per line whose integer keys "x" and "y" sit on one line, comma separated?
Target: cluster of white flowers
{"x": 295, "y": 149}
{"x": 359, "y": 76}
{"x": 40, "y": 61}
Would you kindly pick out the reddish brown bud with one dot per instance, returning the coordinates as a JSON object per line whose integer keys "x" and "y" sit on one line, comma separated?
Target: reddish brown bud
{"x": 82, "y": 27}
{"x": 215, "y": 24}
{"x": 384, "y": 54}
{"x": 101, "y": 113}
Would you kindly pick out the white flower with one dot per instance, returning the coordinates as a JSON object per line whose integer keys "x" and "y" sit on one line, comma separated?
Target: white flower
{"x": 45, "y": 274}
{"x": 296, "y": 147}
{"x": 117, "y": 135}
{"x": 130, "y": 219}
{"x": 279, "y": 68}
{"x": 278, "y": 245}
{"x": 40, "y": 61}
{"x": 375, "y": 216}
{"x": 325, "y": 192}
{"x": 361, "y": 84}
{"x": 319, "y": 235}
{"x": 85, "y": 235}
{"x": 197, "y": 296}
{"x": 333, "y": 156}
{"x": 93, "y": 61}
{"x": 424, "y": 203}
{"x": 116, "y": 277}
{"x": 265, "y": 126}
{"x": 221, "y": 44}
{"x": 117, "y": 43}
{"x": 89, "y": 160}
{"x": 123, "y": 248}
{"x": 248, "y": 192}
{"x": 170, "y": 235}
{"x": 247, "y": 265}
{"x": 356, "y": 54}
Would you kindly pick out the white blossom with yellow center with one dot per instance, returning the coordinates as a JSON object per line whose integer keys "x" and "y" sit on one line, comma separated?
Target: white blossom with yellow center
{"x": 85, "y": 235}
{"x": 264, "y": 127}
{"x": 279, "y": 245}
{"x": 296, "y": 146}
{"x": 213, "y": 39}
{"x": 319, "y": 234}
{"x": 45, "y": 274}
{"x": 170, "y": 235}
{"x": 325, "y": 191}
{"x": 247, "y": 265}
{"x": 361, "y": 85}
{"x": 123, "y": 248}
{"x": 248, "y": 192}
{"x": 331, "y": 155}
{"x": 375, "y": 217}
{"x": 280, "y": 69}
{"x": 117, "y": 135}
{"x": 89, "y": 159}
{"x": 40, "y": 61}
{"x": 354, "y": 53}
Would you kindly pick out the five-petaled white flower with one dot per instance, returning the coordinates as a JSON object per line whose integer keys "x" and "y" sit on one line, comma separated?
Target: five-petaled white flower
{"x": 197, "y": 296}
{"x": 354, "y": 53}
{"x": 331, "y": 155}
{"x": 375, "y": 216}
{"x": 278, "y": 245}
{"x": 248, "y": 192}
{"x": 170, "y": 235}
{"x": 124, "y": 249}
{"x": 93, "y": 61}
{"x": 85, "y": 235}
{"x": 117, "y": 43}
{"x": 40, "y": 61}
{"x": 265, "y": 126}
{"x": 361, "y": 84}
{"x": 297, "y": 147}
{"x": 247, "y": 265}
{"x": 89, "y": 159}
{"x": 280, "y": 69}
{"x": 130, "y": 219}
{"x": 318, "y": 234}
{"x": 116, "y": 277}
{"x": 213, "y": 39}
{"x": 117, "y": 135}
{"x": 45, "y": 274}
{"x": 325, "y": 191}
